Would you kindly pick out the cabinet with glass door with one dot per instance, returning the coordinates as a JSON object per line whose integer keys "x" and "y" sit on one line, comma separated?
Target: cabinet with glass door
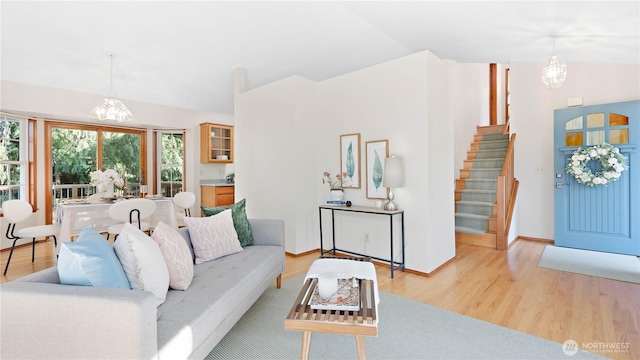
{"x": 216, "y": 143}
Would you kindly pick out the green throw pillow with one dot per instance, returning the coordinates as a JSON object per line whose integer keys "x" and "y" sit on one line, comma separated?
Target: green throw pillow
{"x": 240, "y": 221}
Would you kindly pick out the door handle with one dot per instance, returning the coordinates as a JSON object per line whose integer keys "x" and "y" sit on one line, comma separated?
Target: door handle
{"x": 559, "y": 185}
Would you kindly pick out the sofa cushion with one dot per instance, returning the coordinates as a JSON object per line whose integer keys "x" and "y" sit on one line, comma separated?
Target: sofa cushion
{"x": 240, "y": 222}
{"x": 142, "y": 261}
{"x": 90, "y": 261}
{"x": 176, "y": 255}
{"x": 216, "y": 299}
{"x": 213, "y": 237}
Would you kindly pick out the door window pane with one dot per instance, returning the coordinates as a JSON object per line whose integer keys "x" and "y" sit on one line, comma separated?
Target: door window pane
{"x": 595, "y": 137}
{"x": 618, "y": 120}
{"x": 121, "y": 152}
{"x": 574, "y": 124}
{"x": 573, "y": 139}
{"x": 620, "y": 136}
{"x": 73, "y": 158}
{"x": 595, "y": 120}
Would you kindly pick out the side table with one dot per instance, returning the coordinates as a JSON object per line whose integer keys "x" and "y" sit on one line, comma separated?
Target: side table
{"x": 363, "y": 322}
{"x": 366, "y": 210}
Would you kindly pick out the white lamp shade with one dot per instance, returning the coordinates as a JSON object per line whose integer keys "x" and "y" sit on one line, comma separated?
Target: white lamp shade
{"x": 112, "y": 109}
{"x": 393, "y": 176}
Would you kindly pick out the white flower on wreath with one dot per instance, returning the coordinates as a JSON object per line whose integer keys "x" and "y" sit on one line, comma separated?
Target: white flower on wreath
{"x": 101, "y": 179}
{"x": 613, "y": 164}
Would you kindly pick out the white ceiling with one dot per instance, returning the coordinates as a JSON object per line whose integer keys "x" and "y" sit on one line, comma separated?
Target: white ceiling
{"x": 182, "y": 54}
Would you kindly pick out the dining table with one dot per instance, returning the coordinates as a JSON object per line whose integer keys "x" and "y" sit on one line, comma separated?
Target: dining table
{"x": 75, "y": 215}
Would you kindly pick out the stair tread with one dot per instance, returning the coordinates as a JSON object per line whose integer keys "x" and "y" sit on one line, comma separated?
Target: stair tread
{"x": 488, "y": 159}
{"x": 467, "y": 230}
{"x": 478, "y": 203}
{"x": 472, "y": 216}
{"x": 481, "y": 180}
{"x": 500, "y": 140}
{"x": 481, "y": 191}
{"x": 486, "y": 169}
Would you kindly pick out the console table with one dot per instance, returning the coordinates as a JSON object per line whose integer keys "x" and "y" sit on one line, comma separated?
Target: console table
{"x": 365, "y": 210}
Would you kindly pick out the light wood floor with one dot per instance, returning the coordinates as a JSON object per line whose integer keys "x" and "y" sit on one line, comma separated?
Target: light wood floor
{"x": 505, "y": 288}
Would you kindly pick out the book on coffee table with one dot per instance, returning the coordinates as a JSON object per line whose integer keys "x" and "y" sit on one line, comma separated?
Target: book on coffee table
{"x": 347, "y": 297}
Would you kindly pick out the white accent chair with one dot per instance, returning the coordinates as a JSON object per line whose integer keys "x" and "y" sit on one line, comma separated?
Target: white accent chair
{"x": 132, "y": 211}
{"x": 94, "y": 197}
{"x": 15, "y": 211}
{"x": 183, "y": 200}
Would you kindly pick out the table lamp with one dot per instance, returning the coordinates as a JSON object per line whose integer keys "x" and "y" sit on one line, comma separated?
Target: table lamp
{"x": 393, "y": 177}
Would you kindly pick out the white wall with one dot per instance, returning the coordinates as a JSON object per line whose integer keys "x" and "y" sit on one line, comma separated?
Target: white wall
{"x": 275, "y": 156}
{"x": 440, "y": 221}
{"x": 288, "y": 133}
{"x": 532, "y": 108}
{"x": 469, "y": 107}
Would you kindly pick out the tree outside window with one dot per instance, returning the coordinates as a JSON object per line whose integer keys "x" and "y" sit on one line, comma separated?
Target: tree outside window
{"x": 171, "y": 163}
{"x": 13, "y": 159}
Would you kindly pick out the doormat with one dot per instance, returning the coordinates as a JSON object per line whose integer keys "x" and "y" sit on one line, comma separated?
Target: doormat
{"x": 593, "y": 263}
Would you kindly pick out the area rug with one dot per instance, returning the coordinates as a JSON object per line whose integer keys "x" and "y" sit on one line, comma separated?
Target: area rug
{"x": 406, "y": 330}
{"x": 593, "y": 263}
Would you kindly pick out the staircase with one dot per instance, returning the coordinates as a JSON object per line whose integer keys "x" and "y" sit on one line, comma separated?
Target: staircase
{"x": 476, "y": 208}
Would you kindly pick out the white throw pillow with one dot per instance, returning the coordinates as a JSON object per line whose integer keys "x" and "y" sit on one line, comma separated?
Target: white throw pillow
{"x": 142, "y": 261}
{"x": 176, "y": 255}
{"x": 213, "y": 236}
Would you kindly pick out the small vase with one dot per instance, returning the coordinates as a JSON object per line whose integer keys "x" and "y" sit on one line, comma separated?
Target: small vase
{"x": 109, "y": 192}
{"x": 336, "y": 194}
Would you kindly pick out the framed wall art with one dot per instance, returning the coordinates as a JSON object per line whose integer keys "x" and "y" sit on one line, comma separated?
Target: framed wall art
{"x": 350, "y": 160}
{"x": 376, "y": 151}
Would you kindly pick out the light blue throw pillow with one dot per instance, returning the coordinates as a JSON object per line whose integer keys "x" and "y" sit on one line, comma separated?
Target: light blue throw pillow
{"x": 91, "y": 261}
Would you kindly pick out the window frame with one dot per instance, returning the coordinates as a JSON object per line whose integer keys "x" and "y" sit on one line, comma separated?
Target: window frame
{"x": 158, "y": 166}
{"x": 48, "y": 166}
{"x": 27, "y": 162}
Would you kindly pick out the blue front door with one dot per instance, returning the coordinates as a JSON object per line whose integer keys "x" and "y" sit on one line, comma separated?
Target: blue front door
{"x": 601, "y": 217}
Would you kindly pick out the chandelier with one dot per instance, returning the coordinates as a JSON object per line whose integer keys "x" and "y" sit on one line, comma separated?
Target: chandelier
{"x": 110, "y": 108}
{"x": 555, "y": 73}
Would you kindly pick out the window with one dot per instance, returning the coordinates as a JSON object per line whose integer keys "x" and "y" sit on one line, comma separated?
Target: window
{"x": 596, "y": 128}
{"x": 170, "y": 162}
{"x": 72, "y": 151}
{"x": 14, "y": 159}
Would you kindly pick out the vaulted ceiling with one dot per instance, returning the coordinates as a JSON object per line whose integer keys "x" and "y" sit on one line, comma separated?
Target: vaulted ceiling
{"x": 182, "y": 53}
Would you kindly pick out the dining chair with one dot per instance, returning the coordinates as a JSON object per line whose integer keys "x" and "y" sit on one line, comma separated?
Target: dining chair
{"x": 94, "y": 197}
{"x": 132, "y": 211}
{"x": 16, "y": 211}
{"x": 184, "y": 200}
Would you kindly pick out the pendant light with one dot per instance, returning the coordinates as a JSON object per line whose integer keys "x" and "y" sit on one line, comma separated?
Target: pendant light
{"x": 555, "y": 73}
{"x": 111, "y": 109}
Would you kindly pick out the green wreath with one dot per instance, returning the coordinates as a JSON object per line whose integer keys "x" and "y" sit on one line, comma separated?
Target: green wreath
{"x": 613, "y": 164}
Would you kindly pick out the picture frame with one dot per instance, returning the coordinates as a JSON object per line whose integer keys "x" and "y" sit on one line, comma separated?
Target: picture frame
{"x": 376, "y": 151}
{"x": 350, "y": 160}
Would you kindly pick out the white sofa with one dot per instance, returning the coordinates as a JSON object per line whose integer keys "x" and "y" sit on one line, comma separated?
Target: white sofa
{"x": 42, "y": 319}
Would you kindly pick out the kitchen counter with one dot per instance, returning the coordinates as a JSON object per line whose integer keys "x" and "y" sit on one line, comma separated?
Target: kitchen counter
{"x": 215, "y": 182}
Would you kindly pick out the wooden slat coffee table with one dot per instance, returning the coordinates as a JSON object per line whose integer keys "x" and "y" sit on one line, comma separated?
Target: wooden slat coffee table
{"x": 363, "y": 322}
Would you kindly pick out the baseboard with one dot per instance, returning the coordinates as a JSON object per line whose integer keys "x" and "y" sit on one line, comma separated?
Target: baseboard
{"x": 550, "y": 241}
{"x": 440, "y": 267}
{"x": 302, "y": 253}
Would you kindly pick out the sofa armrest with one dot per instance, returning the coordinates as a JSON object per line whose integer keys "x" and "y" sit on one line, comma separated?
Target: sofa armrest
{"x": 267, "y": 232}
{"x": 44, "y": 320}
